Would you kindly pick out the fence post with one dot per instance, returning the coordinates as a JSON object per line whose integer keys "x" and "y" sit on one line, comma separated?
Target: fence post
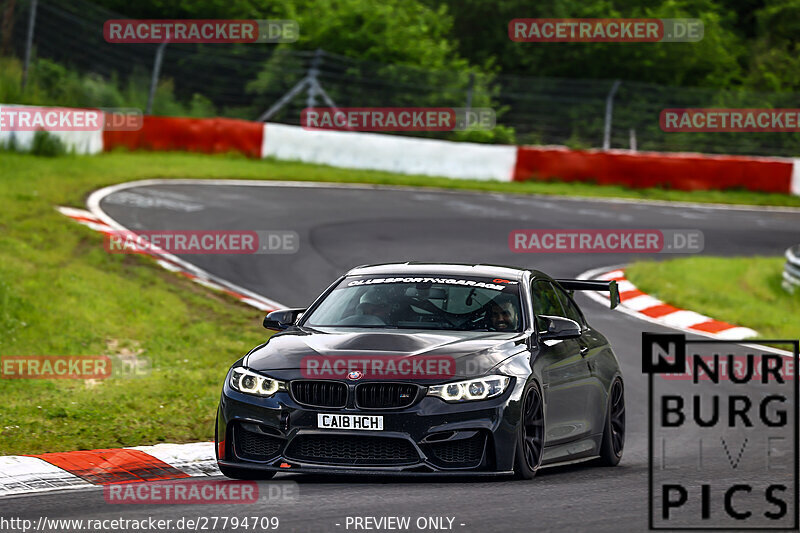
{"x": 29, "y": 42}
{"x": 609, "y": 110}
{"x": 154, "y": 77}
{"x": 313, "y": 72}
{"x": 470, "y": 88}
{"x": 309, "y": 83}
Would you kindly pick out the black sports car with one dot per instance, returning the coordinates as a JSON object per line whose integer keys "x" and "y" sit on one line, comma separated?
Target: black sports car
{"x": 426, "y": 369}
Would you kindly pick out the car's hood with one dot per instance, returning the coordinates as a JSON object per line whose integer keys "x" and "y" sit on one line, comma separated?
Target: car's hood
{"x": 472, "y": 352}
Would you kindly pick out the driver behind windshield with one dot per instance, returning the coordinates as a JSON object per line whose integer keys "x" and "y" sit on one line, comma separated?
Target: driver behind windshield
{"x": 371, "y": 303}
{"x": 502, "y": 314}
{"x": 450, "y": 304}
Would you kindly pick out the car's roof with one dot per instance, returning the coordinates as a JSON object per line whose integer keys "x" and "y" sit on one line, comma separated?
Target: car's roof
{"x": 479, "y": 270}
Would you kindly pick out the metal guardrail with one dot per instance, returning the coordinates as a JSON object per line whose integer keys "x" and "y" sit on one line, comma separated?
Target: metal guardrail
{"x": 791, "y": 271}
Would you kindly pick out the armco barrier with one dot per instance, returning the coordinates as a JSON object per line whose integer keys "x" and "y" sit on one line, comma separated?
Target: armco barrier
{"x": 791, "y": 271}
{"x": 208, "y": 135}
{"x": 687, "y": 172}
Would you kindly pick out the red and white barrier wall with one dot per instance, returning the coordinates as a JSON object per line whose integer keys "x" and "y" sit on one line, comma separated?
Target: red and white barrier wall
{"x": 208, "y": 135}
{"x": 410, "y": 155}
{"x": 391, "y": 153}
{"x": 683, "y": 171}
{"x": 429, "y": 157}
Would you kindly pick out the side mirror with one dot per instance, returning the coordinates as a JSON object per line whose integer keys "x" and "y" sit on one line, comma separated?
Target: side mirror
{"x": 282, "y": 318}
{"x": 559, "y": 327}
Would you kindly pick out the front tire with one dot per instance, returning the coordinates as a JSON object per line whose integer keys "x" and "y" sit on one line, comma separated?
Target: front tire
{"x": 614, "y": 433}
{"x": 530, "y": 443}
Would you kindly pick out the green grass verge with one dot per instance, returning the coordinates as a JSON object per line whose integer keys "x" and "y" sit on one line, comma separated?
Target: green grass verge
{"x": 62, "y": 294}
{"x": 745, "y": 291}
{"x": 116, "y": 167}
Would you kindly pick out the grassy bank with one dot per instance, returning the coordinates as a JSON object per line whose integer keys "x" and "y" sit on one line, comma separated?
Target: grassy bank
{"x": 79, "y": 173}
{"x": 62, "y": 294}
{"x": 745, "y": 291}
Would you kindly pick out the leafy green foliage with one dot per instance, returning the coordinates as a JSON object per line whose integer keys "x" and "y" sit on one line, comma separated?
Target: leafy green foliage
{"x": 51, "y": 83}
{"x": 481, "y": 29}
{"x": 47, "y": 145}
{"x": 750, "y": 44}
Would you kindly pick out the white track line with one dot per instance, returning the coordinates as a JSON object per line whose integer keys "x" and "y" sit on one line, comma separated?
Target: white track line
{"x": 370, "y": 186}
{"x": 93, "y": 203}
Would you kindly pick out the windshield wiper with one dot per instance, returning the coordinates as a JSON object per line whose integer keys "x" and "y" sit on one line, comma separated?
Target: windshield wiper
{"x": 421, "y": 326}
{"x": 366, "y": 326}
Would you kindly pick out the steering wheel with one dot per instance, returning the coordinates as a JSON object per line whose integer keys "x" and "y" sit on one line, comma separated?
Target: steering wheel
{"x": 426, "y": 305}
{"x": 478, "y": 319}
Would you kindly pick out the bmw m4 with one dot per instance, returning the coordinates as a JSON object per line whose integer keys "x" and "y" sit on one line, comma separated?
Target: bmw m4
{"x": 437, "y": 369}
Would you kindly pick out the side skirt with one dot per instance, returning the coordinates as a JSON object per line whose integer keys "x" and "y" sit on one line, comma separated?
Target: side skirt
{"x": 572, "y": 462}
{"x": 580, "y": 450}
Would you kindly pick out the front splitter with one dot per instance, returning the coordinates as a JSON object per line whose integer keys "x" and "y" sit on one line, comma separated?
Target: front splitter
{"x": 307, "y": 468}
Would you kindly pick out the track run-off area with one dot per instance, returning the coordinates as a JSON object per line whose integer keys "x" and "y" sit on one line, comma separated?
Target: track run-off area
{"x": 342, "y": 226}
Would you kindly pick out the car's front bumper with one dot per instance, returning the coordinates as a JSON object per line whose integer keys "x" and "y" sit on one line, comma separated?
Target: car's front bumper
{"x": 429, "y": 437}
{"x": 310, "y": 468}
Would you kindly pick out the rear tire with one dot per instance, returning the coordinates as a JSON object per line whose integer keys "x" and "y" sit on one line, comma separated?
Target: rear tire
{"x": 613, "y": 442}
{"x": 530, "y": 441}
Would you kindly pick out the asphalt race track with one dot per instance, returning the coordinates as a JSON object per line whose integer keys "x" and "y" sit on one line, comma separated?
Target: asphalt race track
{"x": 344, "y": 226}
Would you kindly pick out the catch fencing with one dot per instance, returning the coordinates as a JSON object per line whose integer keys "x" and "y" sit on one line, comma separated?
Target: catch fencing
{"x": 274, "y": 83}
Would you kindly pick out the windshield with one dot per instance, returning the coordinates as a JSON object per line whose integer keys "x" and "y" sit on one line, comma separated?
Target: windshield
{"x": 463, "y": 303}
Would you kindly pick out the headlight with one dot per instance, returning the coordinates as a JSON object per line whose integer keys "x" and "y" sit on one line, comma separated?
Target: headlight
{"x": 473, "y": 389}
{"x": 249, "y": 382}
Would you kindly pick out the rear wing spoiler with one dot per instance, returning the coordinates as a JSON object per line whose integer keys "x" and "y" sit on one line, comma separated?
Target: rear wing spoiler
{"x": 586, "y": 285}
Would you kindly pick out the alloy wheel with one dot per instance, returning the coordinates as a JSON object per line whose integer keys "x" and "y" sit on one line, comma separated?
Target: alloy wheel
{"x": 533, "y": 431}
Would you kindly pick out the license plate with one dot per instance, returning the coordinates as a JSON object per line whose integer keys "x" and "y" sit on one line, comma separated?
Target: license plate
{"x": 362, "y": 422}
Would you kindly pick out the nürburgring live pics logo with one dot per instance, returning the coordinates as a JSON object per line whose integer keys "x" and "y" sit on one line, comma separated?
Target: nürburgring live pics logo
{"x": 723, "y": 434}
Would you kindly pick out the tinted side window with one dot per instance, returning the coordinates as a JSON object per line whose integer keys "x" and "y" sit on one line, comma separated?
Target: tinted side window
{"x": 545, "y": 301}
{"x": 570, "y": 308}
